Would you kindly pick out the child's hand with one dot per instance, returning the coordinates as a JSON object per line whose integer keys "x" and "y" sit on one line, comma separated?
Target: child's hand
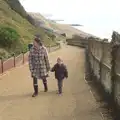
{"x": 47, "y": 75}
{"x": 50, "y": 70}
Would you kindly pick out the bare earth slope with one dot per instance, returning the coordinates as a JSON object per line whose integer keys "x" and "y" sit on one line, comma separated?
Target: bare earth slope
{"x": 61, "y": 28}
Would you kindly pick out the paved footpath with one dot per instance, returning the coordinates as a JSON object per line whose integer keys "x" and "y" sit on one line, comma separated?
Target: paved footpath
{"x": 76, "y": 103}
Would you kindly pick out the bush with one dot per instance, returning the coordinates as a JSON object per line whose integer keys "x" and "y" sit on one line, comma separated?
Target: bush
{"x": 8, "y": 36}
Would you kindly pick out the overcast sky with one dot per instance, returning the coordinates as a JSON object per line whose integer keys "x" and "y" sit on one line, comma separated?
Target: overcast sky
{"x": 99, "y": 17}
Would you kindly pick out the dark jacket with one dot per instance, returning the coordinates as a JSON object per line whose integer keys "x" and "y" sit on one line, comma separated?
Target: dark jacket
{"x": 60, "y": 71}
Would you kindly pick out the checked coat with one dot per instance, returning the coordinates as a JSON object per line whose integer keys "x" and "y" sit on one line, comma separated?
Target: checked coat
{"x": 38, "y": 62}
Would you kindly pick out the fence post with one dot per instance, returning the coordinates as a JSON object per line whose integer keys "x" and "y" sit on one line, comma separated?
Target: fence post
{"x": 14, "y": 60}
{"x": 23, "y": 57}
{"x": 89, "y": 71}
{"x": 2, "y": 64}
{"x": 101, "y": 62}
{"x": 59, "y": 46}
{"x": 49, "y": 48}
{"x": 115, "y": 44}
{"x": 113, "y": 73}
{"x": 86, "y": 65}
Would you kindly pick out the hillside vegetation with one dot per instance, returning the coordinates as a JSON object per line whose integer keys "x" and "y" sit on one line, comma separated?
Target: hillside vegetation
{"x": 17, "y": 29}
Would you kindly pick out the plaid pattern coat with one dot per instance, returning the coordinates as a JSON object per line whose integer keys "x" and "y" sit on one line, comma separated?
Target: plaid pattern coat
{"x": 38, "y": 62}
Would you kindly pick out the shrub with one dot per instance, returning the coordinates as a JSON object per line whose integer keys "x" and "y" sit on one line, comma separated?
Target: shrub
{"x": 8, "y": 36}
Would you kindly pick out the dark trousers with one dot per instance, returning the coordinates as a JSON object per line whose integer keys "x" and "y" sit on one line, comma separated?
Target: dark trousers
{"x": 60, "y": 85}
{"x": 35, "y": 84}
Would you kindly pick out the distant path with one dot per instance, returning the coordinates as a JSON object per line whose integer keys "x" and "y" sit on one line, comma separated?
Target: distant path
{"x": 77, "y": 103}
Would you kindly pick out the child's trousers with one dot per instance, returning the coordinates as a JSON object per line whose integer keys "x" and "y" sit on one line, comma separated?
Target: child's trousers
{"x": 60, "y": 85}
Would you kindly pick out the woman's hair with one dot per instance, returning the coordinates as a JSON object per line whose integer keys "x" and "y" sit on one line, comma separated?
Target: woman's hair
{"x": 38, "y": 40}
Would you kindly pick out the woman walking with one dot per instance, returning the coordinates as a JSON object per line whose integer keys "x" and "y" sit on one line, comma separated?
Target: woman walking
{"x": 39, "y": 65}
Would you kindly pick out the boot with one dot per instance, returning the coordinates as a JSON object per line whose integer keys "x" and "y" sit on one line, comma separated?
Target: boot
{"x": 60, "y": 90}
{"x": 35, "y": 91}
{"x": 45, "y": 87}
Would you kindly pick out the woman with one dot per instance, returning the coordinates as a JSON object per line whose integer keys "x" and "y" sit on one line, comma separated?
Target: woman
{"x": 39, "y": 65}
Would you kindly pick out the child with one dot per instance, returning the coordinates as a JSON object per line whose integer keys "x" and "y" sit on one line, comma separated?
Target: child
{"x": 60, "y": 73}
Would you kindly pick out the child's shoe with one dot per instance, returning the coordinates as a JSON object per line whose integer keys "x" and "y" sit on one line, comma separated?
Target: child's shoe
{"x": 59, "y": 93}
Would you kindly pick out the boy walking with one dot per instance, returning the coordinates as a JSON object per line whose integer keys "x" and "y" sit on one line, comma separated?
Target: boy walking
{"x": 60, "y": 73}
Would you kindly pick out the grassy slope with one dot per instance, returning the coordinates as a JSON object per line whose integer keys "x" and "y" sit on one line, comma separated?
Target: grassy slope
{"x": 8, "y": 17}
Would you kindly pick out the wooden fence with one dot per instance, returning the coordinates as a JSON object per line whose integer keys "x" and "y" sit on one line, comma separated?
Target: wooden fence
{"x": 102, "y": 65}
{"x": 77, "y": 42}
{"x": 19, "y": 60}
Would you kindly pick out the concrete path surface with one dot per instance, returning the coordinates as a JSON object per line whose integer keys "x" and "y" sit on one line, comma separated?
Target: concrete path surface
{"x": 76, "y": 103}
